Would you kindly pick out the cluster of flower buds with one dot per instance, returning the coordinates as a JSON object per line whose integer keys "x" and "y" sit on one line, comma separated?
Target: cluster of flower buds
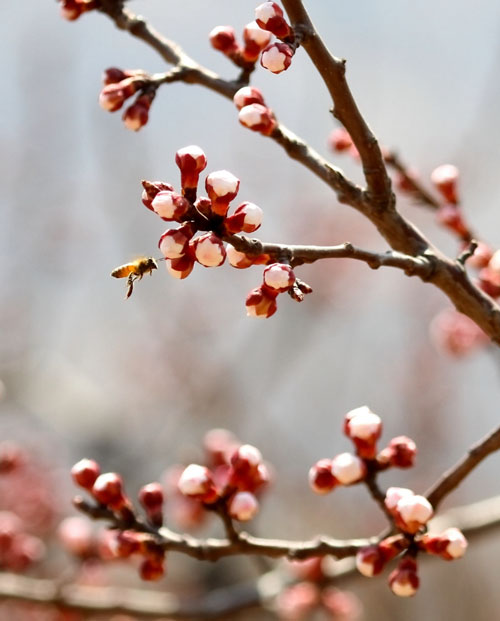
{"x": 119, "y": 86}
{"x": 107, "y": 489}
{"x": 72, "y": 9}
{"x": 179, "y": 246}
{"x": 364, "y": 428}
{"x": 253, "y": 112}
{"x": 277, "y": 278}
{"x": 232, "y": 481}
{"x": 255, "y": 39}
{"x": 276, "y": 57}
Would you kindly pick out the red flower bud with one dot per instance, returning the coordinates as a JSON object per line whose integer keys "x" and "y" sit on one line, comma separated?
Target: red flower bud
{"x": 258, "y": 118}
{"x": 85, "y": 473}
{"x": 321, "y": 477}
{"x": 404, "y": 580}
{"x": 191, "y": 160}
{"x": 269, "y": 16}
{"x": 255, "y": 40}
{"x": 261, "y": 302}
{"x": 108, "y": 490}
{"x": 223, "y": 38}
{"x": 248, "y": 95}
{"x": 277, "y": 57}
{"x": 445, "y": 179}
{"x": 151, "y": 189}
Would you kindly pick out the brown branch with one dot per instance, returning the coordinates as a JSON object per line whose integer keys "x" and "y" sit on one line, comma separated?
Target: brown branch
{"x": 419, "y": 192}
{"x": 455, "y": 475}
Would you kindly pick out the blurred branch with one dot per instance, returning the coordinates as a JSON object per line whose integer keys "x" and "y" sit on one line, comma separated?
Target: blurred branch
{"x": 453, "y": 477}
{"x": 418, "y": 190}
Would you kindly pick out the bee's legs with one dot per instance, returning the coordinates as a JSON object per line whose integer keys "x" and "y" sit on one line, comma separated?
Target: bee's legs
{"x": 130, "y": 285}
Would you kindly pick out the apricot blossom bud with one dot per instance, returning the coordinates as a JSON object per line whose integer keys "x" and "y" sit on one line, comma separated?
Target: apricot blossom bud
{"x": 197, "y": 482}
{"x": 456, "y": 334}
{"x": 75, "y": 534}
{"x": 223, "y": 39}
{"x": 170, "y": 206}
{"x": 209, "y": 250}
{"x": 277, "y": 57}
{"x": 450, "y": 216}
{"x": 191, "y": 160}
{"x": 394, "y": 494}
{"x": 261, "y": 302}
{"x": 85, "y": 473}
{"x": 248, "y": 95}
{"x": 450, "y": 545}
{"x": 219, "y": 445}
{"x": 108, "y": 490}
{"x": 113, "y": 75}
{"x": 269, "y": 16}
{"x": 151, "y": 189}
{"x": 401, "y": 452}
{"x": 137, "y": 115}
{"x": 445, "y": 179}
{"x": 321, "y": 479}
{"x": 255, "y": 40}
{"x": 222, "y": 187}
{"x": 258, "y": 118}
{"x": 246, "y": 457}
{"x": 152, "y": 569}
{"x": 180, "y": 268}
{"x": 412, "y": 512}
{"x": 151, "y": 497}
{"x": 370, "y": 561}
{"x": 238, "y": 259}
{"x": 279, "y": 277}
{"x": 243, "y": 506}
{"x": 364, "y": 428}
{"x": 340, "y": 139}
{"x": 113, "y": 96}
{"x": 348, "y": 469}
{"x": 247, "y": 217}
{"x": 404, "y": 581}
{"x": 174, "y": 242}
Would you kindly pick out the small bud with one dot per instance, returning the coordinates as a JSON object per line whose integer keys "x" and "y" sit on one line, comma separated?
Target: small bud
{"x": 494, "y": 260}
{"x": 152, "y": 569}
{"x": 209, "y": 250}
{"x": 394, "y": 495}
{"x": 113, "y": 96}
{"x": 450, "y": 216}
{"x": 75, "y": 533}
{"x": 445, "y": 179}
{"x": 340, "y": 140}
{"x": 258, "y": 118}
{"x": 246, "y": 458}
{"x": 364, "y": 428}
{"x": 191, "y": 161}
{"x": 223, "y": 39}
{"x": 243, "y": 506}
{"x": 248, "y": 95}
{"x": 151, "y": 498}
{"x": 197, "y": 482}
{"x": 113, "y": 75}
{"x": 85, "y": 473}
{"x": 269, "y": 16}
{"x": 137, "y": 115}
{"x": 180, "y": 268}
{"x": 238, "y": 259}
{"x": 108, "y": 490}
{"x": 404, "y": 580}
{"x": 261, "y": 302}
{"x": 450, "y": 545}
{"x": 174, "y": 242}
{"x": 402, "y": 452}
{"x": 321, "y": 477}
{"x": 277, "y": 57}
{"x": 222, "y": 187}
{"x": 279, "y": 277}
{"x": 247, "y": 218}
{"x": 255, "y": 40}
{"x": 170, "y": 206}
{"x": 348, "y": 469}
{"x": 370, "y": 561}
{"x": 412, "y": 512}
{"x": 151, "y": 189}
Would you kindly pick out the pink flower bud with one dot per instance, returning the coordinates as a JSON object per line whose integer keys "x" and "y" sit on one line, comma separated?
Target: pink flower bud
{"x": 220, "y": 444}
{"x": 402, "y": 452}
{"x": 180, "y": 268}
{"x": 364, "y": 428}
{"x": 85, "y": 473}
{"x": 404, "y": 580}
{"x": 321, "y": 477}
{"x": 340, "y": 140}
{"x": 269, "y": 16}
{"x": 113, "y": 96}
{"x": 370, "y": 561}
{"x": 279, "y": 277}
{"x": 191, "y": 160}
{"x": 238, "y": 259}
{"x": 255, "y": 40}
{"x": 113, "y": 75}
{"x": 222, "y": 187}
{"x": 445, "y": 179}
{"x": 108, "y": 490}
{"x": 137, "y": 115}
{"x": 152, "y": 569}
{"x": 450, "y": 545}
{"x": 246, "y": 458}
{"x": 247, "y": 218}
{"x": 75, "y": 533}
{"x": 151, "y": 497}
{"x": 258, "y": 118}
{"x": 209, "y": 250}
{"x": 170, "y": 206}
{"x": 124, "y": 543}
{"x": 348, "y": 469}
{"x": 394, "y": 495}
{"x": 243, "y": 506}
{"x": 261, "y": 302}
{"x": 412, "y": 512}
{"x": 456, "y": 334}
{"x": 223, "y": 38}
{"x": 297, "y": 602}
{"x": 197, "y": 482}
{"x": 450, "y": 216}
{"x": 248, "y": 95}
{"x": 277, "y": 57}
{"x": 174, "y": 242}
{"x": 151, "y": 189}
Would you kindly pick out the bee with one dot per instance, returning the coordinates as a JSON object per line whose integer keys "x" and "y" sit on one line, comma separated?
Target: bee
{"x": 135, "y": 271}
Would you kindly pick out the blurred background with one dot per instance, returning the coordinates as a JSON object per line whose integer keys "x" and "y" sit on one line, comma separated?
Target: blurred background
{"x": 136, "y": 384}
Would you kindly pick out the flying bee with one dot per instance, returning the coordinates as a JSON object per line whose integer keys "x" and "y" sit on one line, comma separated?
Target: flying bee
{"x": 135, "y": 271}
